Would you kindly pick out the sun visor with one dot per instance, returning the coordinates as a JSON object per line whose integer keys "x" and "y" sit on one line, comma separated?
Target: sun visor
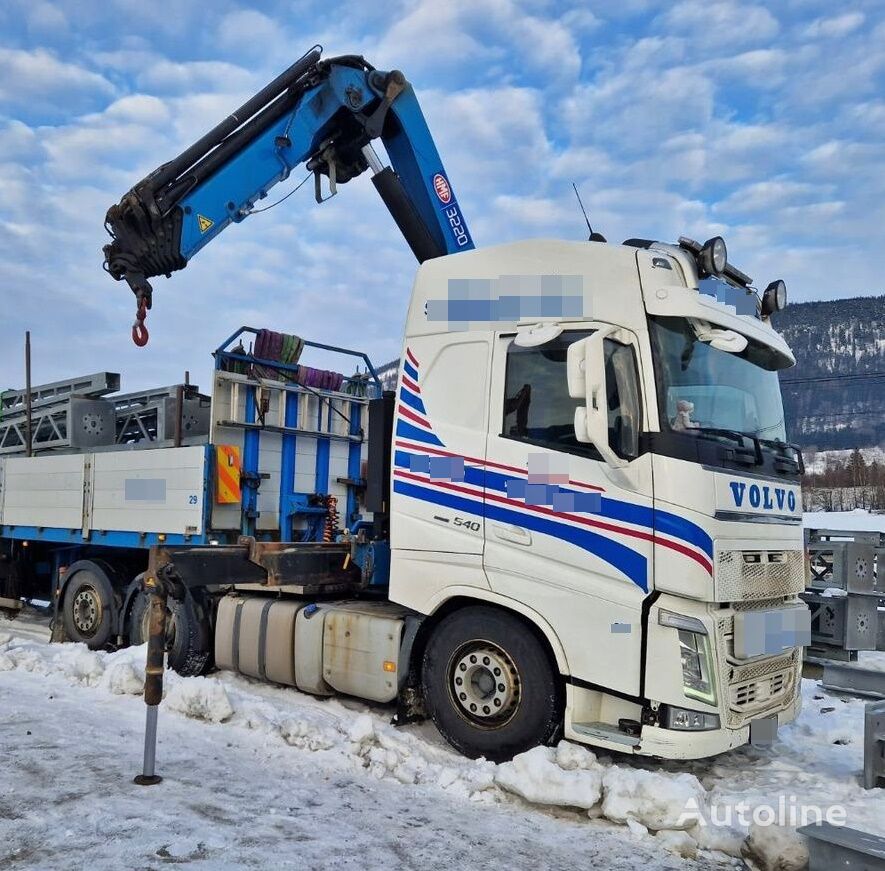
{"x": 687, "y": 302}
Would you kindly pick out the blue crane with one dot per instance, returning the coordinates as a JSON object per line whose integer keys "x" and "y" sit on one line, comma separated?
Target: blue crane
{"x": 320, "y": 113}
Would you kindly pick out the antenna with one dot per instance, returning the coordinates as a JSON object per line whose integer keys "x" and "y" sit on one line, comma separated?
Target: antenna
{"x": 594, "y": 237}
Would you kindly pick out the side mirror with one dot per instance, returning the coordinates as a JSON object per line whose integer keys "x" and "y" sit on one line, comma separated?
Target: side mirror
{"x": 585, "y": 367}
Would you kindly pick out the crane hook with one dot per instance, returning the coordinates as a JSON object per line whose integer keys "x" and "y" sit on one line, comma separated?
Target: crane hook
{"x": 140, "y": 333}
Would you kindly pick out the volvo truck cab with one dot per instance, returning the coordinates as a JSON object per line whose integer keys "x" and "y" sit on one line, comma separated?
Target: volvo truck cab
{"x": 591, "y": 437}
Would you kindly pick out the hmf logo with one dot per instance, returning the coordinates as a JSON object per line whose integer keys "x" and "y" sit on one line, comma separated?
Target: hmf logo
{"x": 450, "y": 208}
{"x": 441, "y": 186}
{"x": 764, "y": 497}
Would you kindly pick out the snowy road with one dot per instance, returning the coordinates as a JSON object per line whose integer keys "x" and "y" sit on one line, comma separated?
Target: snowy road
{"x": 257, "y": 776}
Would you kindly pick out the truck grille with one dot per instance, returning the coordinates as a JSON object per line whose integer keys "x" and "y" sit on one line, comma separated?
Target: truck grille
{"x": 760, "y": 686}
{"x": 760, "y": 574}
{"x": 755, "y": 695}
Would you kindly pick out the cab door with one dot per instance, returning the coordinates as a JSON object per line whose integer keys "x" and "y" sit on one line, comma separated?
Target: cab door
{"x": 566, "y": 533}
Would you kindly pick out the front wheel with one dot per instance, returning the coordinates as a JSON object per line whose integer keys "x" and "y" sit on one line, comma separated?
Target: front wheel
{"x": 489, "y": 684}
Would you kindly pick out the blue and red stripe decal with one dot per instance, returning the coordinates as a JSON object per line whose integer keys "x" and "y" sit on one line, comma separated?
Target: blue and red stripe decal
{"x": 484, "y": 492}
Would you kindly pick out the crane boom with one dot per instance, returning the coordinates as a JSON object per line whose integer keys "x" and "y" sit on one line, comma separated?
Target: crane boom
{"x": 320, "y": 113}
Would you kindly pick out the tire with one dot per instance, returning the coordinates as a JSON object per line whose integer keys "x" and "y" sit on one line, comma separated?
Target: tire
{"x": 508, "y": 699}
{"x": 89, "y": 608}
{"x": 187, "y": 636}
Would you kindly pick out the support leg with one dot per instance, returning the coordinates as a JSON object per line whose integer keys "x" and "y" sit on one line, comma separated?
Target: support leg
{"x": 153, "y": 676}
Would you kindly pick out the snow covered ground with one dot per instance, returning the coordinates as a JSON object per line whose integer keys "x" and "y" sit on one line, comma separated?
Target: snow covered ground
{"x": 858, "y": 520}
{"x": 259, "y": 776}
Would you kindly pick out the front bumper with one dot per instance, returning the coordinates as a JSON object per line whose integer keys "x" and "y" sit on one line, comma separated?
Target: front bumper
{"x": 673, "y": 744}
{"x": 591, "y": 716}
{"x": 746, "y": 690}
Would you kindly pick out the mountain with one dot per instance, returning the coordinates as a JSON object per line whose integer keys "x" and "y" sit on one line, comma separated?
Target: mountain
{"x": 834, "y": 397}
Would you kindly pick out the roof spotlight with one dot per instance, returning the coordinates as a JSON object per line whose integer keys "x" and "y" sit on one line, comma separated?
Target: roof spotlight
{"x": 774, "y": 299}
{"x": 713, "y": 256}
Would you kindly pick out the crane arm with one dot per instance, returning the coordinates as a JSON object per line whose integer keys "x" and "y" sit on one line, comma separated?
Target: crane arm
{"x": 320, "y": 113}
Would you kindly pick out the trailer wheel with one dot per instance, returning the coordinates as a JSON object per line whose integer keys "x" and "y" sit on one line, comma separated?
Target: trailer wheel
{"x": 489, "y": 684}
{"x": 88, "y": 608}
{"x": 187, "y": 635}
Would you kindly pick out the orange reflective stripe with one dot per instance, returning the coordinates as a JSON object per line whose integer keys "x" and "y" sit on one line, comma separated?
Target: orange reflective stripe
{"x": 227, "y": 467}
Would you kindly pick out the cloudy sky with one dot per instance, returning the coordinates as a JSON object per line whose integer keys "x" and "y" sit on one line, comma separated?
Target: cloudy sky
{"x": 763, "y": 123}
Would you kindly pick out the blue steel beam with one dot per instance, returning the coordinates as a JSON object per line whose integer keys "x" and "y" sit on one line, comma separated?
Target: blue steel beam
{"x": 287, "y": 468}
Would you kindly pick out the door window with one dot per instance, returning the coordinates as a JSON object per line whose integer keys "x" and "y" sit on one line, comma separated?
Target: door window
{"x": 538, "y": 408}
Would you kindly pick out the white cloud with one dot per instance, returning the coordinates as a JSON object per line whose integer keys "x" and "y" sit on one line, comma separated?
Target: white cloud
{"x": 46, "y": 19}
{"x": 725, "y": 153}
{"x": 38, "y": 81}
{"x": 165, "y": 76}
{"x": 867, "y": 116}
{"x": 99, "y": 148}
{"x": 251, "y": 33}
{"x": 139, "y": 109}
{"x": 721, "y": 23}
{"x": 634, "y": 110}
{"x": 763, "y": 68}
{"x": 835, "y": 27}
{"x": 581, "y": 20}
{"x": 490, "y": 139}
{"x": 430, "y": 36}
{"x": 17, "y": 141}
{"x": 478, "y": 38}
{"x": 765, "y": 196}
{"x": 860, "y": 162}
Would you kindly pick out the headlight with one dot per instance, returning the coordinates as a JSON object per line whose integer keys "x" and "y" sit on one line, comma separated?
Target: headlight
{"x": 685, "y": 720}
{"x": 713, "y": 257}
{"x": 697, "y": 659}
{"x": 774, "y": 299}
{"x": 697, "y": 674}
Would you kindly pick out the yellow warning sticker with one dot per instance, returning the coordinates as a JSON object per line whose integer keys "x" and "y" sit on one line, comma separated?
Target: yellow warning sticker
{"x": 204, "y": 223}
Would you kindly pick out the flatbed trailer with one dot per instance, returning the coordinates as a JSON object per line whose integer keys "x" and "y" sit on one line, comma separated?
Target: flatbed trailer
{"x": 78, "y": 527}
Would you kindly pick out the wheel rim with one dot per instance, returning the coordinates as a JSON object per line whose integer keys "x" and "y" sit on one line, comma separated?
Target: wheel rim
{"x": 87, "y": 611}
{"x": 484, "y": 684}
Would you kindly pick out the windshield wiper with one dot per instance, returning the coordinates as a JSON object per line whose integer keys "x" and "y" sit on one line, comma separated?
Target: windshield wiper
{"x": 745, "y": 456}
{"x": 783, "y": 462}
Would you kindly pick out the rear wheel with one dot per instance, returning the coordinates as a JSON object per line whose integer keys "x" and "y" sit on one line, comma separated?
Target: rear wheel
{"x": 187, "y": 632}
{"x": 88, "y": 608}
{"x": 489, "y": 684}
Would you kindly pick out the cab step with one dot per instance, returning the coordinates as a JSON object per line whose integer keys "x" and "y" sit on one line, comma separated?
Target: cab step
{"x": 605, "y": 732}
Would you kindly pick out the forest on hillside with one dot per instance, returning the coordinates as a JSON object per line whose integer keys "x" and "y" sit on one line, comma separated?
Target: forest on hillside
{"x": 834, "y": 397}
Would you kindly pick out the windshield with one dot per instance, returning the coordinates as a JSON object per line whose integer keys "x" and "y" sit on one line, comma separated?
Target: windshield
{"x": 702, "y": 388}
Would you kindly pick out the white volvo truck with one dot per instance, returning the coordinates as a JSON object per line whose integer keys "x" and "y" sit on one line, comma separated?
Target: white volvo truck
{"x": 577, "y": 515}
{"x": 600, "y": 500}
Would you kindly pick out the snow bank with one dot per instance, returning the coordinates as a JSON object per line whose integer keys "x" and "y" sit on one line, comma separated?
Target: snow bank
{"x": 776, "y": 848}
{"x": 304, "y": 734}
{"x": 657, "y": 800}
{"x": 571, "y": 776}
{"x": 385, "y": 752}
{"x": 679, "y": 842}
{"x": 553, "y": 777}
{"x": 83, "y": 666}
{"x": 202, "y": 698}
{"x": 123, "y": 678}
